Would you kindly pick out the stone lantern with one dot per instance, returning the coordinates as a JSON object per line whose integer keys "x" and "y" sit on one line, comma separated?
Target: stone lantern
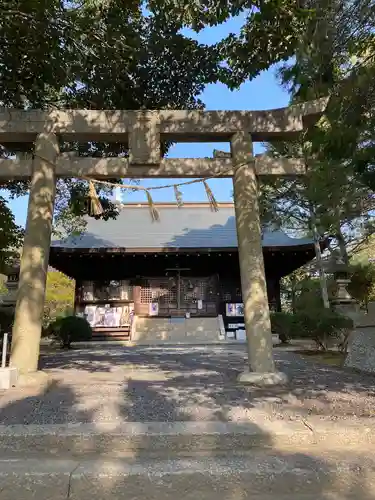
{"x": 341, "y": 276}
{"x": 343, "y": 302}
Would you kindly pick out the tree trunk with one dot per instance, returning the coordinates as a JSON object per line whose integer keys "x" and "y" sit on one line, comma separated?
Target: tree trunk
{"x": 342, "y": 246}
{"x": 293, "y": 293}
{"x": 319, "y": 263}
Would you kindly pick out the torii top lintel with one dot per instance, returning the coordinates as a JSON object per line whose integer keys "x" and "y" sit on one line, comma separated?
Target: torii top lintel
{"x": 172, "y": 125}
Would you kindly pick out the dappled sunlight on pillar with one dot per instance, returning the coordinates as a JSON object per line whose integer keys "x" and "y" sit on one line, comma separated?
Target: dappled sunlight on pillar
{"x": 35, "y": 254}
{"x": 254, "y": 289}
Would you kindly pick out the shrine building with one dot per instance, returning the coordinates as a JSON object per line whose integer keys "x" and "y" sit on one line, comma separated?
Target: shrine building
{"x": 181, "y": 267}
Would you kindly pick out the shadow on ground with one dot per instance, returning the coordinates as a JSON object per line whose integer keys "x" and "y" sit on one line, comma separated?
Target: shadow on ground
{"x": 200, "y": 384}
{"x": 278, "y": 472}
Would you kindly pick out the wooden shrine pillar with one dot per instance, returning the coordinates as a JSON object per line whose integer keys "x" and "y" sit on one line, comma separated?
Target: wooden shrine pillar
{"x": 253, "y": 281}
{"x": 137, "y": 299}
{"x": 35, "y": 254}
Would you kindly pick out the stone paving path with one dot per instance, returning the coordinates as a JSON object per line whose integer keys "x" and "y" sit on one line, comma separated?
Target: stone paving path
{"x": 116, "y": 383}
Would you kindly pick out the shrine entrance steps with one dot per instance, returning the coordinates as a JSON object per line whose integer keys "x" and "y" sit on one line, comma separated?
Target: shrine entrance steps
{"x": 176, "y": 331}
{"x": 187, "y": 460}
{"x": 111, "y": 334}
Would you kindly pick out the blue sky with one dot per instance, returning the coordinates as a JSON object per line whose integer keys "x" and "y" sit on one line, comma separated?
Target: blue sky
{"x": 262, "y": 93}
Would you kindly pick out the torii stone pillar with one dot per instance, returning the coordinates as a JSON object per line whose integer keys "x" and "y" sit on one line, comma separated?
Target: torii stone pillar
{"x": 253, "y": 281}
{"x": 34, "y": 261}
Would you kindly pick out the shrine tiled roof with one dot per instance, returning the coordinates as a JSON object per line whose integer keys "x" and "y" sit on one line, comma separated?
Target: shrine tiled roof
{"x": 191, "y": 226}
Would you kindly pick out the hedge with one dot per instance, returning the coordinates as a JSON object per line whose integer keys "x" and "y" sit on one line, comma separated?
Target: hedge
{"x": 321, "y": 325}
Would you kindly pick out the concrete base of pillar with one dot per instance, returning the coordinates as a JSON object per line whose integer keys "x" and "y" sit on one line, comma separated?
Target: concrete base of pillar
{"x": 31, "y": 379}
{"x": 262, "y": 379}
{"x": 8, "y": 378}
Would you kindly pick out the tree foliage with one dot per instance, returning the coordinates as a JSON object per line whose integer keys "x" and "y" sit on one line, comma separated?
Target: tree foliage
{"x": 328, "y": 49}
{"x": 59, "y": 300}
{"x": 362, "y": 280}
{"x": 301, "y": 291}
{"x": 96, "y": 55}
{"x": 331, "y": 198}
{"x": 11, "y": 236}
{"x": 336, "y": 57}
{"x": 270, "y": 32}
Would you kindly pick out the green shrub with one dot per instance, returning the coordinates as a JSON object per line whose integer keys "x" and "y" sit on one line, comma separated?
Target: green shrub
{"x": 70, "y": 329}
{"x": 321, "y": 325}
{"x": 283, "y": 324}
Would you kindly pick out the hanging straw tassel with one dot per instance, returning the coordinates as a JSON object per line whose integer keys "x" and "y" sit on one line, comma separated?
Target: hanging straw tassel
{"x": 95, "y": 207}
{"x": 211, "y": 198}
{"x": 178, "y": 195}
{"x": 153, "y": 210}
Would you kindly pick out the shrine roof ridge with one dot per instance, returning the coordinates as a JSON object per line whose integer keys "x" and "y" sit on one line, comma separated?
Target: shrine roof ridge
{"x": 172, "y": 204}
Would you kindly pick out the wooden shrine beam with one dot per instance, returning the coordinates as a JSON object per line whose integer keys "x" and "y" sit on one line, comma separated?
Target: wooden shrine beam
{"x": 102, "y": 168}
{"x": 19, "y": 126}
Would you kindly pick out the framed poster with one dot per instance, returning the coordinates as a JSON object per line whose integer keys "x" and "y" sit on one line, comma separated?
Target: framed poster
{"x": 153, "y": 309}
{"x": 234, "y": 310}
{"x": 239, "y": 310}
{"x": 230, "y": 309}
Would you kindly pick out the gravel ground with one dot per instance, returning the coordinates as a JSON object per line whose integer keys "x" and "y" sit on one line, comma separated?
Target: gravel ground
{"x": 181, "y": 384}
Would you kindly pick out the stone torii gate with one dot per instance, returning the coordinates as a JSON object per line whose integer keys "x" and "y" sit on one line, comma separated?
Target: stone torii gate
{"x": 143, "y": 131}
